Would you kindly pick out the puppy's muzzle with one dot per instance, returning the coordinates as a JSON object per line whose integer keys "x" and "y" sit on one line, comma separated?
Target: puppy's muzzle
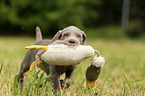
{"x": 72, "y": 41}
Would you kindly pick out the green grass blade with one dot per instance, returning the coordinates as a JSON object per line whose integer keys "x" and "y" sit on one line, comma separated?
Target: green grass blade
{"x": 83, "y": 81}
{"x": 15, "y": 81}
{"x": 14, "y": 89}
{"x": 128, "y": 82}
{"x": 27, "y": 78}
{"x": 46, "y": 80}
{"x": 33, "y": 83}
{"x": 143, "y": 76}
{"x": 1, "y": 68}
{"x": 36, "y": 75}
{"x": 39, "y": 81}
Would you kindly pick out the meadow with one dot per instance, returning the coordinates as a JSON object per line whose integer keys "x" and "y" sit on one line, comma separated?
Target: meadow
{"x": 122, "y": 75}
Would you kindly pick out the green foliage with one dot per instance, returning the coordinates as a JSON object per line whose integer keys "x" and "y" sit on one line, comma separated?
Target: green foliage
{"x": 37, "y": 85}
{"x": 137, "y": 21}
{"x": 22, "y": 16}
{"x": 110, "y": 12}
{"x": 128, "y": 82}
{"x": 108, "y": 32}
{"x": 1, "y": 68}
{"x": 47, "y": 14}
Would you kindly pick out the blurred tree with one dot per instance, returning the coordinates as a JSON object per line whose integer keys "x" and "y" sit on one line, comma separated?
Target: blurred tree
{"x": 48, "y": 14}
{"x": 125, "y": 14}
{"x": 109, "y": 12}
{"x": 137, "y": 18}
{"x": 22, "y": 16}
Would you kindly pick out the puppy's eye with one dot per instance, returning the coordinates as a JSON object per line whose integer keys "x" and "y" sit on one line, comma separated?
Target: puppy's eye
{"x": 65, "y": 35}
{"x": 79, "y": 36}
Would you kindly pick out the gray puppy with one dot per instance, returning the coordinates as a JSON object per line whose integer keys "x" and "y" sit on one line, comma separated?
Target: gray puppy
{"x": 71, "y": 35}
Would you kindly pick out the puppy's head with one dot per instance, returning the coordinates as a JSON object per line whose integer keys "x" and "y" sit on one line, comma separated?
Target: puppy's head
{"x": 71, "y": 35}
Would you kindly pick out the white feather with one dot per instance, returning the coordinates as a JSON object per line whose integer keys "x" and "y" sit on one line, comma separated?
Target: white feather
{"x": 61, "y": 54}
{"x": 98, "y": 61}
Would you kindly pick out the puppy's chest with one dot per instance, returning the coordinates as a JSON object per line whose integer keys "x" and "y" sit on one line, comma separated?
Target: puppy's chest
{"x": 64, "y": 68}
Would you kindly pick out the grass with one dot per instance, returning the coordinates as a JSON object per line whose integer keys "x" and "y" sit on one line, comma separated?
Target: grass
{"x": 122, "y": 75}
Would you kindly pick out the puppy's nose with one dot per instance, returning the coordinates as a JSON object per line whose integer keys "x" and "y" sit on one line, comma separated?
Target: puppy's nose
{"x": 72, "y": 41}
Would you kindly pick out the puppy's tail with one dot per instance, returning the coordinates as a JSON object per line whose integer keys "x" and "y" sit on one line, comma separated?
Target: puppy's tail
{"x": 38, "y": 34}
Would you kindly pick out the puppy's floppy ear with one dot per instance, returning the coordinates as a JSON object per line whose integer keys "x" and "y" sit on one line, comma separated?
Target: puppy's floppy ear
{"x": 84, "y": 39}
{"x": 57, "y": 36}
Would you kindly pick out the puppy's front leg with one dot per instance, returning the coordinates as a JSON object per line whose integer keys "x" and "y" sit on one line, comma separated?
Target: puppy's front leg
{"x": 68, "y": 78}
{"x": 54, "y": 77}
{"x": 56, "y": 82}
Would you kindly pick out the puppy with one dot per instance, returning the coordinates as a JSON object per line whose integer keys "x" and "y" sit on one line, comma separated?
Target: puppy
{"x": 71, "y": 35}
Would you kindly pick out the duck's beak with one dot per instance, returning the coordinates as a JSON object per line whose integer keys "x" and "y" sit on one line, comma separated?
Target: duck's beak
{"x": 36, "y": 47}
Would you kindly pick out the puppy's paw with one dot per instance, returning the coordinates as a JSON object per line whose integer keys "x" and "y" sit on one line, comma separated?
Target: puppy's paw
{"x": 64, "y": 84}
